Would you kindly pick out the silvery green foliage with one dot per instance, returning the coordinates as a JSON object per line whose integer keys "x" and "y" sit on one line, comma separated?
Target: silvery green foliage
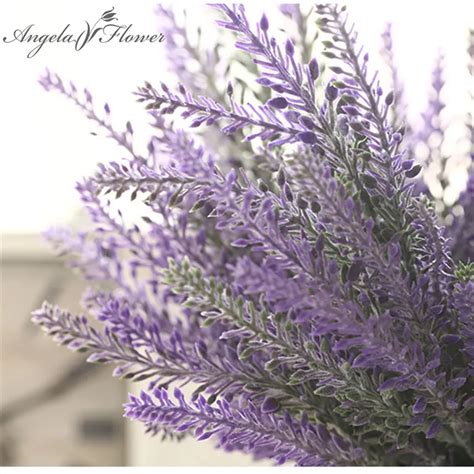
{"x": 295, "y": 274}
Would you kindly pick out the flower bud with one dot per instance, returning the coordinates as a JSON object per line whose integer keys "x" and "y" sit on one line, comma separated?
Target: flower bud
{"x": 262, "y": 186}
{"x": 288, "y": 192}
{"x": 315, "y": 207}
{"x": 313, "y": 69}
{"x": 413, "y": 172}
{"x": 281, "y": 178}
{"x": 397, "y": 138}
{"x": 302, "y": 203}
{"x": 270, "y": 405}
{"x": 307, "y": 137}
{"x": 331, "y": 92}
{"x": 278, "y": 103}
{"x": 289, "y": 47}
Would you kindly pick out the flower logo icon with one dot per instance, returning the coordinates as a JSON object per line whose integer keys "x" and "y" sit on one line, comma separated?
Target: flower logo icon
{"x": 109, "y": 15}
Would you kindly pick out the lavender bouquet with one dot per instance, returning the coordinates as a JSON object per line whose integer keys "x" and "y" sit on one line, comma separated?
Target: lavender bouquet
{"x": 290, "y": 265}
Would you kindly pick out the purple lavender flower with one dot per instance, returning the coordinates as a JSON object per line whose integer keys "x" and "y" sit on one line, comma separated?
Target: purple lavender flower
{"x": 317, "y": 302}
{"x": 245, "y": 428}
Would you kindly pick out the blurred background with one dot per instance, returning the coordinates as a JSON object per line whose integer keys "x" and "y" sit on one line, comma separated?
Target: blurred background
{"x": 54, "y": 408}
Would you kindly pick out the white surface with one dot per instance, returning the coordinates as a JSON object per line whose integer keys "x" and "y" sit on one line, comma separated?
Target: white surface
{"x": 46, "y": 142}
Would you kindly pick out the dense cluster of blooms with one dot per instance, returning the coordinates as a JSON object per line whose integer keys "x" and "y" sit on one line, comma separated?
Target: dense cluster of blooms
{"x": 292, "y": 270}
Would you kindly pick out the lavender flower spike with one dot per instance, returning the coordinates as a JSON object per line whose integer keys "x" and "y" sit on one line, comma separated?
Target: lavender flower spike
{"x": 285, "y": 262}
{"x": 248, "y": 428}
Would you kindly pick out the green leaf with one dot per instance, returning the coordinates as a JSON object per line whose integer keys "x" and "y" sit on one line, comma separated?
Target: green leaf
{"x": 346, "y": 369}
{"x": 402, "y": 440}
{"x": 272, "y": 364}
{"x": 208, "y": 322}
{"x": 246, "y": 353}
{"x": 325, "y": 346}
{"x": 325, "y": 391}
{"x": 369, "y": 181}
{"x": 189, "y": 303}
{"x": 392, "y": 423}
{"x": 353, "y": 395}
{"x": 186, "y": 264}
{"x": 198, "y": 205}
